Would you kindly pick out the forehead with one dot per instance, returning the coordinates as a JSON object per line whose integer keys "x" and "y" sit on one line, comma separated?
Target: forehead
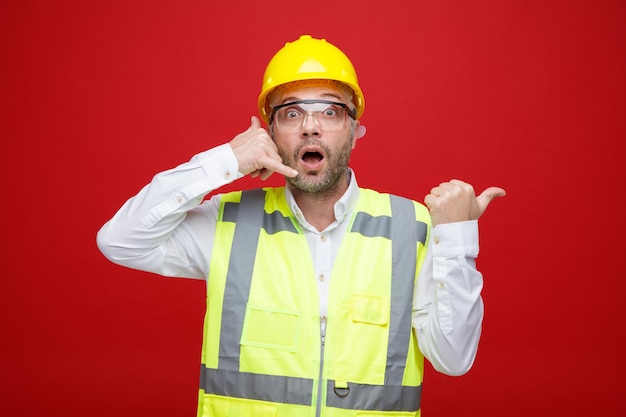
{"x": 310, "y": 90}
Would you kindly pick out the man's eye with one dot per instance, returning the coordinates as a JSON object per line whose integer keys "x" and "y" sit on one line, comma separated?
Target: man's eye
{"x": 290, "y": 114}
{"x": 330, "y": 112}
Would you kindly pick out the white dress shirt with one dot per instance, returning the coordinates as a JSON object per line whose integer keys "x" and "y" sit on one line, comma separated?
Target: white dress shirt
{"x": 168, "y": 229}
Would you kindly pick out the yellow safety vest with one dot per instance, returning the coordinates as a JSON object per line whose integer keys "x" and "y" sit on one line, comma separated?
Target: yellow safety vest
{"x": 263, "y": 354}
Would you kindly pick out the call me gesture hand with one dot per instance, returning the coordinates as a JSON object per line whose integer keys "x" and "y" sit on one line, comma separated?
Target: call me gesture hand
{"x": 257, "y": 154}
{"x": 455, "y": 201}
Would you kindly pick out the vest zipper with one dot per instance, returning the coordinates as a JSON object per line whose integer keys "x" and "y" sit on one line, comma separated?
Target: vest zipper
{"x": 318, "y": 408}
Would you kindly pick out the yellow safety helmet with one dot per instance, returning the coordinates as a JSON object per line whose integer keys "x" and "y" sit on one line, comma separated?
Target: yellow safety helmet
{"x": 309, "y": 59}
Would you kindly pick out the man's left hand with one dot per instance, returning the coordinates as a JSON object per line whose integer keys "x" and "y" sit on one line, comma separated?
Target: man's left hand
{"x": 455, "y": 201}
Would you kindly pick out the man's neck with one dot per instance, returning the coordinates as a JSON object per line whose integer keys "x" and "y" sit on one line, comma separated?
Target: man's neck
{"x": 319, "y": 208}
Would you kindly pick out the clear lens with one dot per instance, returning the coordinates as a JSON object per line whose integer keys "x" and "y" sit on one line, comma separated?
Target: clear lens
{"x": 328, "y": 115}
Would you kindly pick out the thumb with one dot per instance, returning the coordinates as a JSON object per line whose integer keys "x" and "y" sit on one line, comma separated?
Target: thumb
{"x": 487, "y": 196}
{"x": 255, "y": 123}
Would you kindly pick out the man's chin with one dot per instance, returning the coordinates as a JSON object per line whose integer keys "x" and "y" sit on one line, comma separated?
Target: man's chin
{"x": 313, "y": 184}
{"x": 308, "y": 183}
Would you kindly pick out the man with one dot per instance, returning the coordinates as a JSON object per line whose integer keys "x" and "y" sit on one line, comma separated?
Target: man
{"x": 322, "y": 297}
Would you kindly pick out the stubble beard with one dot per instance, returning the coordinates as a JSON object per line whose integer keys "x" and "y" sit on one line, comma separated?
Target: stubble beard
{"x": 321, "y": 183}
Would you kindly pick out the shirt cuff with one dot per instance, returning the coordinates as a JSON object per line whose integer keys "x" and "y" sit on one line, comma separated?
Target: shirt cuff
{"x": 205, "y": 172}
{"x": 219, "y": 162}
{"x": 455, "y": 239}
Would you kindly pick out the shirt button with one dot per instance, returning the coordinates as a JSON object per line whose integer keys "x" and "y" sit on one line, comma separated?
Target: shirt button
{"x": 436, "y": 240}
{"x": 323, "y": 319}
{"x": 226, "y": 175}
{"x": 322, "y": 278}
{"x": 323, "y": 238}
{"x": 179, "y": 198}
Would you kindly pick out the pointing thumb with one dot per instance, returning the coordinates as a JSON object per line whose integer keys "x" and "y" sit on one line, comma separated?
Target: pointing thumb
{"x": 487, "y": 196}
{"x": 255, "y": 123}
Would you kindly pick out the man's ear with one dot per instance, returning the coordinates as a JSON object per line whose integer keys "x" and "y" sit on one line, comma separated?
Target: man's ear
{"x": 359, "y": 132}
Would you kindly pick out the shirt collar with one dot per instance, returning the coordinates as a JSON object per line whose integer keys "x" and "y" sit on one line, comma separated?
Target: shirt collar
{"x": 343, "y": 207}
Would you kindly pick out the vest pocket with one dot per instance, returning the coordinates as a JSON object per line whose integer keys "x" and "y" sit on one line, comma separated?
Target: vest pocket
{"x": 271, "y": 328}
{"x": 370, "y": 309}
{"x": 217, "y": 406}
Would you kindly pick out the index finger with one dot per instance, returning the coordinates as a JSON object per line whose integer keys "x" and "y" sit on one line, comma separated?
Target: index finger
{"x": 279, "y": 167}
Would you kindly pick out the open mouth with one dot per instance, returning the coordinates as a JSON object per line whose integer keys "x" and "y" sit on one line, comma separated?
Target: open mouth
{"x": 312, "y": 156}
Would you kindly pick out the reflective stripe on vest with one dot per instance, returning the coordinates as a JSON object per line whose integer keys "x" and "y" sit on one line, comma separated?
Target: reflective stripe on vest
{"x": 250, "y": 217}
{"x": 273, "y": 388}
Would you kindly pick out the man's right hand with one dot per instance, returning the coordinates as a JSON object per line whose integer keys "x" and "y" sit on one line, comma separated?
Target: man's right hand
{"x": 257, "y": 154}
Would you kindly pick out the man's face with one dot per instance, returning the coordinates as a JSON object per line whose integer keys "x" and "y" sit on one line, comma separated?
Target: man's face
{"x": 318, "y": 151}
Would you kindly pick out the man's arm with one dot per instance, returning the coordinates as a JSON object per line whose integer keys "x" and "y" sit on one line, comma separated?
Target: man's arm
{"x": 162, "y": 228}
{"x": 448, "y": 309}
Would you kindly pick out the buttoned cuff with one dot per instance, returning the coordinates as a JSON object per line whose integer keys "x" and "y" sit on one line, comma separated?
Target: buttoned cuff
{"x": 455, "y": 239}
{"x": 219, "y": 162}
{"x": 204, "y": 173}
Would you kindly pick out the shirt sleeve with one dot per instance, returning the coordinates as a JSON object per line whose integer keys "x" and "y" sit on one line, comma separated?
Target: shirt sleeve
{"x": 448, "y": 309}
{"x": 164, "y": 228}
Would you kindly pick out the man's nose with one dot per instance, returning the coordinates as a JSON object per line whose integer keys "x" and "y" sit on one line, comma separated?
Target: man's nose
{"x": 310, "y": 127}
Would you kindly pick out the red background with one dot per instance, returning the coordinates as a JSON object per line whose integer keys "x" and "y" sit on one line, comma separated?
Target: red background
{"x": 96, "y": 97}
